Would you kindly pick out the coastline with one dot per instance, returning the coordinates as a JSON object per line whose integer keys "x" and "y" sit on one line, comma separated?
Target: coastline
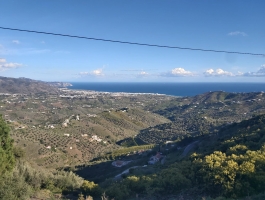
{"x": 81, "y": 92}
{"x": 167, "y": 89}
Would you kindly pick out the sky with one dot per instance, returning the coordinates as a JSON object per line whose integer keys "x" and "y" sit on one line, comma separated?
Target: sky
{"x": 219, "y": 25}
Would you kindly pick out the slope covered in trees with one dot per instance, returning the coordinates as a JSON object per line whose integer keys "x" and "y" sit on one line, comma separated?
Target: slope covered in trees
{"x": 19, "y": 180}
{"x": 229, "y": 164}
{"x": 7, "y": 159}
{"x": 60, "y": 131}
{"x": 202, "y": 114}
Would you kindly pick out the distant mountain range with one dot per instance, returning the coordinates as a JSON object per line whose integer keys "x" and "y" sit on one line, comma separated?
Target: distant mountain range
{"x": 26, "y": 86}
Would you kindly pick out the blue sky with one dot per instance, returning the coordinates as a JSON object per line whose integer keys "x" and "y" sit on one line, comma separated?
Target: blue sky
{"x": 221, "y": 25}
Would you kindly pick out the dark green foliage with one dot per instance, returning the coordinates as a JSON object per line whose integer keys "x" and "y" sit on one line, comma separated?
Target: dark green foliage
{"x": 124, "y": 151}
{"x": 7, "y": 159}
{"x": 24, "y": 181}
{"x": 229, "y": 166}
{"x": 128, "y": 142}
{"x": 90, "y": 188}
{"x": 202, "y": 114}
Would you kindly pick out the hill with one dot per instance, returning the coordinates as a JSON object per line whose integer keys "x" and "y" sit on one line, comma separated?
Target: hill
{"x": 76, "y": 126}
{"x": 229, "y": 165}
{"x": 19, "y": 180}
{"x": 25, "y": 86}
{"x": 202, "y": 114}
{"x": 87, "y": 131}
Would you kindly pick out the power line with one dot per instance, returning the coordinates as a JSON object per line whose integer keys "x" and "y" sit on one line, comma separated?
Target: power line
{"x": 134, "y": 43}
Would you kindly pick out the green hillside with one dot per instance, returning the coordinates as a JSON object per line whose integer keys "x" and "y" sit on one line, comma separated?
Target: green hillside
{"x": 21, "y": 181}
{"x": 224, "y": 165}
{"x": 152, "y": 146}
{"x": 202, "y": 114}
{"x": 56, "y": 130}
{"x": 230, "y": 164}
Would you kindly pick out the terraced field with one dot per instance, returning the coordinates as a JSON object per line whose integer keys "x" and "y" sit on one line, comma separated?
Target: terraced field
{"x": 57, "y": 132}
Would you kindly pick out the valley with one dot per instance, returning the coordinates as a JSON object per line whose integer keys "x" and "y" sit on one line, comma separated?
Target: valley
{"x": 75, "y": 126}
{"x": 110, "y": 139}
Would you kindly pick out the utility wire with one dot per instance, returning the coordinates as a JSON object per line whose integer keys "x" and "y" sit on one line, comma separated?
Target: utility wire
{"x": 134, "y": 43}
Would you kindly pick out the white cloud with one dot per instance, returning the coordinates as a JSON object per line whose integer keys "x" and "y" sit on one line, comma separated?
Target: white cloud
{"x": 83, "y": 73}
{"x": 97, "y": 72}
{"x": 221, "y": 72}
{"x": 4, "y": 65}
{"x": 16, "y": 41}
{"x": 209, "y": 72}
{"x": 239, "y": 73}
{"x": 236, "y": 33}
{"x": 259, "y": 73}
{"x": 143, "y": 73}
{"x": 217, "y": 72}
{"x": 178, "y": 72}
{"x": 262, "y": 69}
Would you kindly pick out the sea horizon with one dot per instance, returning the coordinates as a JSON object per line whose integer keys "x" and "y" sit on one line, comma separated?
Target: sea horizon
{"x": 170, "y": 88}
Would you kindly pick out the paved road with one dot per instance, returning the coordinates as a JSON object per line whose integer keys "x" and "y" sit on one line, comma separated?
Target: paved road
{"x": 125, "y": 172}
{"x": 185, "y": 152}
{"x": 188, "y": 148}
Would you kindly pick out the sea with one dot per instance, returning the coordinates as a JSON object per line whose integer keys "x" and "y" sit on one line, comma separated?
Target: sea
{"x": 172, "y": 89}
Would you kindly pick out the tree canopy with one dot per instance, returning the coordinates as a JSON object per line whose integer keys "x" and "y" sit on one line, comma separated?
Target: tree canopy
{"x": 7, "y": 159}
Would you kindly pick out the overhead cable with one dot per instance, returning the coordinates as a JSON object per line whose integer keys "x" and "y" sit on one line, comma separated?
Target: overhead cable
{"x": 134, "y": 43}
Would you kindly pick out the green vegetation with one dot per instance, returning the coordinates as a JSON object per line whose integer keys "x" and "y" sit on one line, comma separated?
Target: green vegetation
{"x": 47, "y": 129}
{"x": 7, "y": 159}
{"x": 230, "y": 161}
{"x": 125, "y": 151}
{"x": 230, "y": 165}
{"x": 201, "y": 115}
{"x": 212, "y": 145}
{"x": 25, "y": 181}
{"x": 19, "y": 180}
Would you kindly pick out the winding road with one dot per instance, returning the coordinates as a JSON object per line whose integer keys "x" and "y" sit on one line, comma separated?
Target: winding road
{"x": 188, "y": 148}
{"x": 125, "y": 172}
